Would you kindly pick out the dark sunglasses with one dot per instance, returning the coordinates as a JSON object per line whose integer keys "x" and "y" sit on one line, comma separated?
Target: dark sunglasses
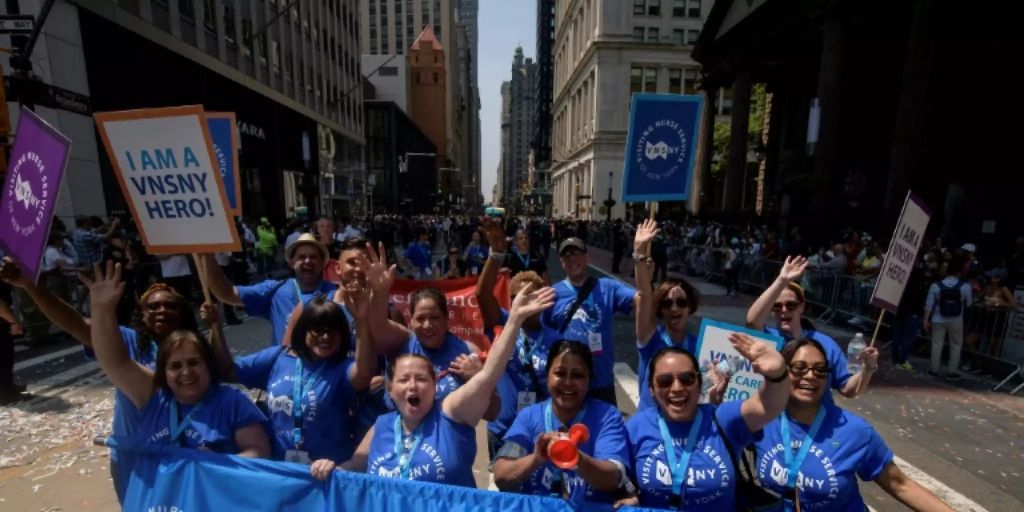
{"x": 168, "y": 305}
{"x": 789, "y": 305}
{"x": 799, "y": 369}
{"x": 666, "y": 303}
{"x": 456, "y": 253}
{"x": 665, "y": 380}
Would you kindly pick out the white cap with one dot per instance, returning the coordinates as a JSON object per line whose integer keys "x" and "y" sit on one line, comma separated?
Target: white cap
{"x": 969, "y": 248}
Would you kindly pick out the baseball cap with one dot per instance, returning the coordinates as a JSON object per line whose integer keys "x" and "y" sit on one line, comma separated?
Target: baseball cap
{"x": 305, "y": 238}
{"x": 572, "y": 243}
{"x": 969, "y": 248}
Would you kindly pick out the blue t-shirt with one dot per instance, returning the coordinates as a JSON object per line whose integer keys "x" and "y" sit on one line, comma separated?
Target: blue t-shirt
{"x": 325, "y": 404}
{"x": 607, "y": 441}
{"x": 710, "y": 482}
{"x": 647, "y": 353}
{"x": 592, "y": 322}
{"x": 212, "y": 423}
{"x": 419, "y": 255}
{"x": 445, "y": 453}
{"x": 845, "y": 447}
{"x": 126, "y": 415}
{"x": 275, "y": 300}
{"x": 441, "y": 358}
{"x": 838, "y": 372}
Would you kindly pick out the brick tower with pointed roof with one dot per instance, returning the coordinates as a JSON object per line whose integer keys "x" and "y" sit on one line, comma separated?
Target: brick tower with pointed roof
{"x": 428, "y": 90}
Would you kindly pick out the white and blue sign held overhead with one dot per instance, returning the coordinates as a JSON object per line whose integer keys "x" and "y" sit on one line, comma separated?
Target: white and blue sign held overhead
{"x": 660, "y": 147}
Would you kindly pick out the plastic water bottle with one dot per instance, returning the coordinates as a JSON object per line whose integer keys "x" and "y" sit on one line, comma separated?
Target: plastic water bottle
{"x": 729, "y": 365}
{"x": 853, "y": 354}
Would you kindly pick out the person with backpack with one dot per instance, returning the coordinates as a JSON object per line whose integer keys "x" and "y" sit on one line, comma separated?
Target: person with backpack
{"x": 944, "y": 314}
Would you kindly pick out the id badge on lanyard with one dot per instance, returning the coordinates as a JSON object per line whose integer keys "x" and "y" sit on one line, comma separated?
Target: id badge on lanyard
{"x": 297, "y": 456}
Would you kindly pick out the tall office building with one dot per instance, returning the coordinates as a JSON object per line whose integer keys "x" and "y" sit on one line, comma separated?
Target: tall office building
{"x": 540, "y": 144}
{"x": 521, "y": 117}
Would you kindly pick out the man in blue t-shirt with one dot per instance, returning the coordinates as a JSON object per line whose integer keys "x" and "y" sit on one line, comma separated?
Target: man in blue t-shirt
{"x": 584, "y": 311}
{"x": 276, "y": 299}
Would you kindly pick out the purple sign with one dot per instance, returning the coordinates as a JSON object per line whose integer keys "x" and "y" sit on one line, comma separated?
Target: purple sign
{"x": 34, "y": 174}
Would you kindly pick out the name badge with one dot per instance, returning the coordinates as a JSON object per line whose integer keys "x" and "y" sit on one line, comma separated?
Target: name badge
{"x": 297, "y": 456}
{"x": 594, "y": 339}
{"x": 525, "y": 399}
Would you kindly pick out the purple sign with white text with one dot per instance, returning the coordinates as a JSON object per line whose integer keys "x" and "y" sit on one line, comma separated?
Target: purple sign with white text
{"x": 34, "y": 173}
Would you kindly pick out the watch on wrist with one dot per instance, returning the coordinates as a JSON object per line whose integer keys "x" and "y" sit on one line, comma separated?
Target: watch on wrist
{"x": 778, "y": 379}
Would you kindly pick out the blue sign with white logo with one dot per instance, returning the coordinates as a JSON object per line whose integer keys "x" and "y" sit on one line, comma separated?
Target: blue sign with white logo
{"x": 660, "y": 147}
{"x": 225, "y": 149}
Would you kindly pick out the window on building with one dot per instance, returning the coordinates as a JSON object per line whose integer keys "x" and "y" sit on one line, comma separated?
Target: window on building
{"x": 653, "y": 34}
{"x": 419, "y": 79}
{"x": 695, "y": 8}
{"x": 435, "y": 77}
{"x": 210, "y": 15}
{"x": 636, "y": 83}
{"x": 388, "y": 71}
{"x": 678, "y": 8}
{"x": 654, "y": 7}
{"x": 692, "y": 36}
{"x": 638, "y": 34}
{"x": 187, "y": 10}
{"x": 726, "y": 102}
{"x": 675, "y": 81}
{"x": 639, "y": 7}
{"x": 679, "y": 37}
{"x": 690, "y": 87}
{"x": 651, "y": 79}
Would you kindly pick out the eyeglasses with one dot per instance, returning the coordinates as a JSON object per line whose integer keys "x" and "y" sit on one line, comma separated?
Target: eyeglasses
{"x": 790, "y": 305}
{"x": 680, "y": 302}
{"x": 799, "y": 369}
{"x": 665, "y": 380}
{"x": 156, "y": 306}
{"x": 319, "y": 332}
{"x": 453, "y": 253}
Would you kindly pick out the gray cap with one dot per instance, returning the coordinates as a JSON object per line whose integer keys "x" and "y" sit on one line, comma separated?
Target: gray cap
{"x": 572, "y": 243}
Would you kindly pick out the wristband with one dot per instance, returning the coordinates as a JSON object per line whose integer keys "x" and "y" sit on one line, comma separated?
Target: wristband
{"x": 778, "y": 379}
{"x": 497, "y": 255}
{"x": 640, "y": 257}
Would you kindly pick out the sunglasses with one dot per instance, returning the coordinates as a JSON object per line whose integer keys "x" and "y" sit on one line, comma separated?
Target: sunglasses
{"x": 680, "y": 302}
{"x": 789, "y": 305}
{"x": 799, "y": 369}
{"x": 453, "y": 253}
{"x": 168, "y": 305}
{"x": 665, "y": 380}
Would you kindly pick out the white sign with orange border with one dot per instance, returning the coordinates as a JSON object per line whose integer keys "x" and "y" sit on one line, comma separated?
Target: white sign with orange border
{"x": 164, "y": 161}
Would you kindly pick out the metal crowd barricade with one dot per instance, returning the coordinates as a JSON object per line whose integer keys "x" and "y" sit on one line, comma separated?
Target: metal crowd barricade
{"x": 995, "y": 334}
{"x": 852, "y": 298}
{"x": 820, "y": 288}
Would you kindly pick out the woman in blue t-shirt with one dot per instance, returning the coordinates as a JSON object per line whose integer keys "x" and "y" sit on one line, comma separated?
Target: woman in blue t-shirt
{"x": 785, "y": 301}
{"x": 311, "y": 384}
{"x": 821, "y": 449}
{"x": 698, "y": 471}
{"x": 672, "y": 303}
{"x": 430, "y": 441}
{"x": 181, "y": 401}
{"x": 522, "y": 463}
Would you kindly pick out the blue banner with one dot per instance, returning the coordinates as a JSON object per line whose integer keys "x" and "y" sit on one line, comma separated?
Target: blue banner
{"x": 660, "y": 147}
{"x": 222, "y": 134}
{"x": 167, "y": 478}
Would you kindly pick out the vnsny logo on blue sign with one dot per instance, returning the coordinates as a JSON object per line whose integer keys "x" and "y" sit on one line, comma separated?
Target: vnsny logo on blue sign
{"x": 661, "y": 146}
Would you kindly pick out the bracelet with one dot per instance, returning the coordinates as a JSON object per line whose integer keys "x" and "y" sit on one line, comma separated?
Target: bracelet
{"x": 640, "y": 257}
{"x": 497, "y": 255}
{"x": 778, "y": 379}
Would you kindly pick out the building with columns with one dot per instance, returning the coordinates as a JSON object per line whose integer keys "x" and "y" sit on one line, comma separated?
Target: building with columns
{"x": 598, "y": 44}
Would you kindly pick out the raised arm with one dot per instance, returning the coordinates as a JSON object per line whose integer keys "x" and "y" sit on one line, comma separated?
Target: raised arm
{"x": 387, "y": 334}
{"x": 133, "y": 379}
{"x": 489, "y": 308}
{"x": 791, "y": 270}
{"x": 910, "y": 493}
{"x": 220, "y": 285}
{"x": 646, "y": 320}
{"x": 468, "y": 403}
{"x": 210, "y": 315}
{"x": 357, "y": 300}
{"x": 58, "y": 311}
{"x": 770, "y": 400}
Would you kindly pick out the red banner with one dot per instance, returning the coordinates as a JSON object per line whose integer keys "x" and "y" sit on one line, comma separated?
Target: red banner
{"x": 464, "y": 319}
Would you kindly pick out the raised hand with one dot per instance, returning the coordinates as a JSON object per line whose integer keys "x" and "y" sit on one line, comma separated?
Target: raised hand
{"x": 465, "y": 366}
{"x": 645, "y": 233}
{"x": 719, "y": 383}
{"x": 494, "y": 233}
{"x": 763, "y": 357}
{"x": 209, "y": 313}
{"x": 11, "y": 273}
{"x": 107, "y": 288}
{"x": 793, "y": 268}
{"x": 379, "y": 276}
{"x": 357, "y": 300}
{"x": 529, "y": 302}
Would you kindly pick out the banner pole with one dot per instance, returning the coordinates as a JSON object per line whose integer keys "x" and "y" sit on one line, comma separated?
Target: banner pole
{"x": 201, "y": 269}
{"x": 878, "y": 325}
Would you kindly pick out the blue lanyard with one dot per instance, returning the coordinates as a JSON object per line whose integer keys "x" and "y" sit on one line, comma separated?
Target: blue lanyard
{"x": 152, "y": 351}
{"x": 793, "y": 464}
{"x": 525, "y": 261}
{"x": 549, "y": 424}
{"x": 405, "y": 457}
{"x": 298, "y": 291}
{"x": 176, "y": 427}
{"x": 298, "y": 391}
{"x": 679, "y": 467}
{"x": 668, "y": 340}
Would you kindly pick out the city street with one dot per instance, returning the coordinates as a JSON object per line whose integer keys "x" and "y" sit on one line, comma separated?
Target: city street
{"x": 963, "y": 442}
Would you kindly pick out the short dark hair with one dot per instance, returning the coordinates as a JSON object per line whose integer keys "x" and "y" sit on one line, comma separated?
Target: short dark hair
{"x": 320, "y": 313}
{"x": 354, "y": 243}
{"x": 692, "y": 295}
{"x": 668, "y": 351}
{"x": 175, "y": 340}
{"x": 790, "y": 349}
{"x": 430, "y": 293}
{"x": 575, "y": 348}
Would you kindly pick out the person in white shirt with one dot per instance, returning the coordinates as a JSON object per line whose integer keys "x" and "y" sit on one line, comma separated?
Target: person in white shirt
{"x": 944, "y": 309}
{"x": 176, "y": 273}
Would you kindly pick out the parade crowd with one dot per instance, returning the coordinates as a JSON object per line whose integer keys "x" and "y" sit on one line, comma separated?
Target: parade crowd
{"x": 347, "y": 383}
